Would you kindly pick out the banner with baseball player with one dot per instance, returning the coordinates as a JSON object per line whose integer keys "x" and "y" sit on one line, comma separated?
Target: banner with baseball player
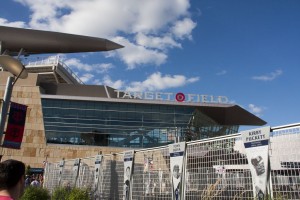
{"x": 256, "y": 142}
{"x": 75, "y": 171}
{"x": 128, "y": 164}
{"x": 98, "y": 170}
{"x": 177, "y": 154}
{"x": 98, "y": 177}
{"x": 61, "y": 169}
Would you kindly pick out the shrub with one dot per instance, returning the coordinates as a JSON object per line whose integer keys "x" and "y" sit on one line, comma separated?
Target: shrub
{"x": 79, "y": 194}
{"x": 35, "y": 193}
{"x": 60, "y": 193}
{"x": 65, "y": 193}
{"x": 27, "y": 170}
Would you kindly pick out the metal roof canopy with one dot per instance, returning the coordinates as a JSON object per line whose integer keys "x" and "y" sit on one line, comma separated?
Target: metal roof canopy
{"x": 43, "y": 42}
{"x": 232, "y": 115}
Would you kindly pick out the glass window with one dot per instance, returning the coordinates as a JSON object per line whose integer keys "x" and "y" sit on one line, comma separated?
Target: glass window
{"x": 124, "y": 124}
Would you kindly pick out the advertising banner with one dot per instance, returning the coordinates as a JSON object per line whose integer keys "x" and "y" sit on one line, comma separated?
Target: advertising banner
{"x": 98, "y": 171}
{"x": 160, "y": 177}
{"x": 177, "y": 153}
{"x": 128, "y": 164}
{"x": 256, "y": 142}
{"x": 61, "y": 169}
{"x": 76, "y": 170}
{"x": 98, "y": 178}
{"x": 15, "y": 126}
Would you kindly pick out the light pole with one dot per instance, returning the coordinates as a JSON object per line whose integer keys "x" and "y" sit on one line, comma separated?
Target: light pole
{"x": 15, "y": 67}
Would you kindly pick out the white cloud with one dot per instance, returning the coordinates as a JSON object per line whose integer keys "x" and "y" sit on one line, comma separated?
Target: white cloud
{"x": 134, "y": 55}
{"x": 154, "y": 15}
{"x": 105, "y": 18}
{"x": 154, "y": 82}
{"x": 18, "y": 24}
{"x": 104, "y": 67}
{"x": 161, "y": 43}
{"x": 109, "y": 82}
{"x": 269, "y": 77}
{"x": 183, "y": 29}
{"x": 157, "y": 81}
{"x": 256, "y": 110}
{"x": 223, "y": 72}
{"x": 165, "y": 22}
{"x": 86, "y": 77}
{"x": 75, "y": 63}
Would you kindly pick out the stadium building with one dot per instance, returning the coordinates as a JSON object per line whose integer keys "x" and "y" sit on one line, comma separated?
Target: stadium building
{"x": 67, "y": 119}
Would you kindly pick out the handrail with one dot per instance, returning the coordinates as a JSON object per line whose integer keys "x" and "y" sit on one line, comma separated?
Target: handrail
{"x": 55, "y": 60}
{"x": 284, "y": 126}
{"x": 48, "y": 60}
{"x": 71, "y": 72}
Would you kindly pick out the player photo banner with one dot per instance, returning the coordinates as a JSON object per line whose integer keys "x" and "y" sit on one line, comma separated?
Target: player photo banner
{"x": 256, "y": 142}
{"x": 61, "y": 169}
{"x": 177, "y": 152}
{"x": 128, "y": 164}
{"x": 98, "y": 170}
{"x": 15, "y": 126}
{"x": 76, "y": 167}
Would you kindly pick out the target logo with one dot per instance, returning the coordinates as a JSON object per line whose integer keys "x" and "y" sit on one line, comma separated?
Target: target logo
{"x": 180, "y": 97}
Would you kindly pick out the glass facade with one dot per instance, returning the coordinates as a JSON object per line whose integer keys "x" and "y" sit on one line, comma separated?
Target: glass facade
{"x": 122, "y": 124}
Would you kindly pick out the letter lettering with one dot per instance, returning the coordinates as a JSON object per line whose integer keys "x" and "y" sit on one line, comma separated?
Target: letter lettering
{"x": 158, "y": 96}
{"x": 149, "y": 95}
{"x": 118, "y": 93}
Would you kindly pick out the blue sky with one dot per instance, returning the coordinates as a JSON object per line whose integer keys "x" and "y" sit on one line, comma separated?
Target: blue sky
{"x": 246, "y": 50}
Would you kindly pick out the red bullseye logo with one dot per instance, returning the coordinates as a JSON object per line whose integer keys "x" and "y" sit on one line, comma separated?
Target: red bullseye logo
{"x": 180, "y": 97}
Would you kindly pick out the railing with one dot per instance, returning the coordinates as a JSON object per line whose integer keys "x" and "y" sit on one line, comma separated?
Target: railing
{"x": 203, "y": 177}
{"x": 71, "y": 72}
{"x": 53, "y": 60}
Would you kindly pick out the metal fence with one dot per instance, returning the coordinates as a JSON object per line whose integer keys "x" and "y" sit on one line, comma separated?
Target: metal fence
{"x": 215, "y": 168}
{"x": 285, "y": 162}
{"x": 218, "y": 169}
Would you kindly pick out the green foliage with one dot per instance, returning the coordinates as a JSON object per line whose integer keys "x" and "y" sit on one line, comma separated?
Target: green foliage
{"x": 65, "y": 193}
{"x": 79, "y": 194}
{"x": 61, "y": 193}
{"x": 35, "y": 193}
{"x": 27, "y": 170}
{"x": 278, "y": 196}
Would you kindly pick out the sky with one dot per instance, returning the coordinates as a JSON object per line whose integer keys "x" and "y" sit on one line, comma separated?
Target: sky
{"x": 246, "y": 50}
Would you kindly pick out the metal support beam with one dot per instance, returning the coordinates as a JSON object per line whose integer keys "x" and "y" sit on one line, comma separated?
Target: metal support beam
{"x": 2, "y": 50}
